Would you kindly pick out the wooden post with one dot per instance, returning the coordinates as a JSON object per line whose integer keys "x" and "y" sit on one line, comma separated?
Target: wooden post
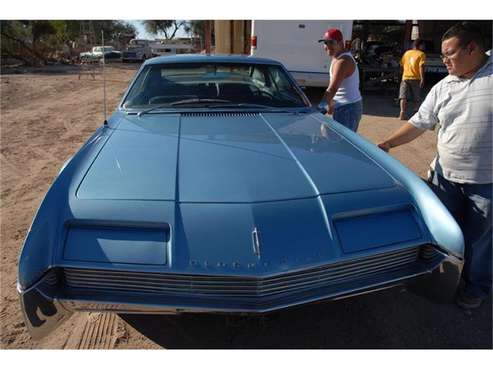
{"x": 238, "y": 37}
{"x": 230, "y": 36}
{"x": 222, "y": 34}
{"x": 247, "y": 32}
{"x": 407, "y": 34}
{"x": 208, "y": 37}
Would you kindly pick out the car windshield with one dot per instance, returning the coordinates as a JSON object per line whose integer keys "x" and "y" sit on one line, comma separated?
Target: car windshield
{"x": 212, "y": 85}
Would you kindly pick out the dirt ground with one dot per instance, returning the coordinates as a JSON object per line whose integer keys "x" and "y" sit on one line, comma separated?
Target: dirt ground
{"x": 46, "y": 115}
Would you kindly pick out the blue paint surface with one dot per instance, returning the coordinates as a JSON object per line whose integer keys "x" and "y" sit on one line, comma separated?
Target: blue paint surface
{"x": 116, "y": 245}
{"x": 376, "y": 230}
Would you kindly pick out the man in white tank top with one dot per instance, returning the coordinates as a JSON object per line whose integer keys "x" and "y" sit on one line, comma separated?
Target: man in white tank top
{"x": 343, "y": 95}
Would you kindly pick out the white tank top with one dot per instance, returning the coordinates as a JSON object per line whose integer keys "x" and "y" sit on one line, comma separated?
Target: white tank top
{"x": 348, "y": 92}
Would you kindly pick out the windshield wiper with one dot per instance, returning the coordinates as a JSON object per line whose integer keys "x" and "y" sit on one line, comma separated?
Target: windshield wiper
{"x": 182, "y": 102}
{"x": 227, "y": 104}
{"x": 244, "y": 105}
{"x": 198, "y": 100}
{"x": 151, "y": 109}
{"x": 251, "y": 105}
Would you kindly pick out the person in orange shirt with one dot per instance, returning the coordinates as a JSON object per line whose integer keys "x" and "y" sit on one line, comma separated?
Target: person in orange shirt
{"x": 413, "y": 76}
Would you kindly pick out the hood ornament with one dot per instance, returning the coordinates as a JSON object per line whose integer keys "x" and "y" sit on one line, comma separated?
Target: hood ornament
{"x": 256, "y": 242}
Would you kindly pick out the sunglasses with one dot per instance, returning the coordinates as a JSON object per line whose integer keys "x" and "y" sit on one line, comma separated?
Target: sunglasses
{"x": 451, "y": 55}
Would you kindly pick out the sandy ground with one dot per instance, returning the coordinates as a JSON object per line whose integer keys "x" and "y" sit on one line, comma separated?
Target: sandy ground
{"x": 46, "y": 116}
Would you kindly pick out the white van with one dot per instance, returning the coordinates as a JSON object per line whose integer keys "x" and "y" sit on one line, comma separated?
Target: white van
{"x": 295, "y": 44}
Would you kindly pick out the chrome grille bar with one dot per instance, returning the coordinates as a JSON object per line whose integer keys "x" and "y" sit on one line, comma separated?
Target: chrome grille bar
{"x": 243, "y": 287}
{"x": 266, "y": 284}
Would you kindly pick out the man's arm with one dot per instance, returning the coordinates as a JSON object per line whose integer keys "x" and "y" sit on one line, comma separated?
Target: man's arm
{"x": 422, "y": 74}
{"x": 422, "y": 70}
{"x": 406, "y": 133}
{"x": 425, "y": 119}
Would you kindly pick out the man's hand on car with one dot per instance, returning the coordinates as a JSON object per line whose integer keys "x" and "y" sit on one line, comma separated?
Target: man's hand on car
{"x": 385, "y": 146}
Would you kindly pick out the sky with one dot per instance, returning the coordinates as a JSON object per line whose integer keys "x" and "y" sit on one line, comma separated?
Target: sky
{"x": 143, "y": 34}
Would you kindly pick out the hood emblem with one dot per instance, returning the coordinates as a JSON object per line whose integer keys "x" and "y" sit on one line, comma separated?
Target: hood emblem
{"x": 256, "y": 242}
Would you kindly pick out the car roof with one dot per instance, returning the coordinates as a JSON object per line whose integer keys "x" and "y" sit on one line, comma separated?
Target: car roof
{"x": 207, "y": 58}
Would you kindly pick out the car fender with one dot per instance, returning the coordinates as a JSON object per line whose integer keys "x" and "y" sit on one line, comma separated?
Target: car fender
{"x": 442, "y": 226}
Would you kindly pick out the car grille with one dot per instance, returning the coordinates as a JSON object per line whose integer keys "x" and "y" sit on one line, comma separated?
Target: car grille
{"x": 241, "y": 287}
{"x": 51, "y": 278}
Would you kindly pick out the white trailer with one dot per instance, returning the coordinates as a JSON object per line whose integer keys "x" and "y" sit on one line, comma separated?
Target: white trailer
{"x": 171, "y": 47}
{"x": 295, "y": 44}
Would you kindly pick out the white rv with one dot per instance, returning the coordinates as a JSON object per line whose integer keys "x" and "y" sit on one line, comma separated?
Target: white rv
{"x": 171, "y": 47}
{"x": 295, "y": 44}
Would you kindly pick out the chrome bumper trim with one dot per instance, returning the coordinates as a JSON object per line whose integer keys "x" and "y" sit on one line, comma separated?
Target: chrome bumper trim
{"x": 42, "y": 314}
{"x": 47, "y": 304}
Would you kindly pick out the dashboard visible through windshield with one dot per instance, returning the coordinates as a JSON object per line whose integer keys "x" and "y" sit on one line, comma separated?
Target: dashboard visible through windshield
{"x": 211, "y": 85}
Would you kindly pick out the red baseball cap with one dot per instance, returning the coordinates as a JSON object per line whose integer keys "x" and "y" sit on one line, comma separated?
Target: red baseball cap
{"x": 332, "y": 34}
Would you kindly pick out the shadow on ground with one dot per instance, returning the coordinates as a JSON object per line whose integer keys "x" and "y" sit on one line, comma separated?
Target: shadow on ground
{"x": 65, "y": 69}
{"x": 394, "y": 318}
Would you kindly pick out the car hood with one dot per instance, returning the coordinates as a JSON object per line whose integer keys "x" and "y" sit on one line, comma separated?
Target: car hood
{"x": 228, "y": 158}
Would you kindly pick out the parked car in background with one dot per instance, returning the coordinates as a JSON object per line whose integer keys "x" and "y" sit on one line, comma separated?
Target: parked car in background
{"x": 215, "y": 186}
{"x": 137, "y": 50}
{"x": 96, "y": 54}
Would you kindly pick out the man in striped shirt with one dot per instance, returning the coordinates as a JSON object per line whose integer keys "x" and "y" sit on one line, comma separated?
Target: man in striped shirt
{"x": 461, "y": 174}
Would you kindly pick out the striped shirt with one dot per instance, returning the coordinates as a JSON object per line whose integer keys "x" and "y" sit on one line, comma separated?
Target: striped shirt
{"x": 463, "y": 109}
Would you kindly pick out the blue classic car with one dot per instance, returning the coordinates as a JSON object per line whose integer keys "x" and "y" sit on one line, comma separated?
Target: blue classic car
{"x": 216, "y": 187}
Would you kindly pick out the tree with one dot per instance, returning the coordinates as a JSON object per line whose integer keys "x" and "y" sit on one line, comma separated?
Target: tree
{"x": 38, "y": 41}
{"x": 19, "y": 42}
{"x": 166, "y": 27}
{"x": 197, "y": 28}
{"x": 112, "y": 29}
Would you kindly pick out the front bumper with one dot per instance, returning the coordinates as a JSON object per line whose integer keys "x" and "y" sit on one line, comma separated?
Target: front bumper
{"x": 42, "y": 311}
{"x": 54, "y": 298}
